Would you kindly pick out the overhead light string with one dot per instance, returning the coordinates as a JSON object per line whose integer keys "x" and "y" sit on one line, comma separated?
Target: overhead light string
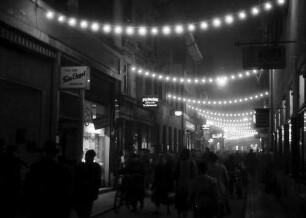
{"x": 218, "y": 102}
{"x": 165, "y": 30}
{"x": 220, "y": 80}
{"x": 219, "y": 114}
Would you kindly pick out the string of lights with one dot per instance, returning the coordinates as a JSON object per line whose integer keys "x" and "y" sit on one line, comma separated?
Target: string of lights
{"x": 227, "y": 120}
{"x": 229, "y": 125}
{"x": 220, "y": 80}
{"x": 219, "y": 102}
{"x": 165, "y": 30}
{"x": 206, "y": 112}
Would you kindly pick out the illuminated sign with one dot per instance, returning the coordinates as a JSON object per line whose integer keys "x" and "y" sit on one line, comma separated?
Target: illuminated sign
{"x": 150, "y": 101}
{"x": 75, "y": 77}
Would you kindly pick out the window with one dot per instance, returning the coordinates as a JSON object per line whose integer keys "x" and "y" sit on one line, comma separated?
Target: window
{"x": 301, "y": 90}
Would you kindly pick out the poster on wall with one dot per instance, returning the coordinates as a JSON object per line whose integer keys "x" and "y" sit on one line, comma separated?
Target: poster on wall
{"x": 75, "y": 77}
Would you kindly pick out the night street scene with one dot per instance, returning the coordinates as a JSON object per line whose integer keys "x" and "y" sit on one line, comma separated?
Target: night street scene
{"x": 152, "y": 108}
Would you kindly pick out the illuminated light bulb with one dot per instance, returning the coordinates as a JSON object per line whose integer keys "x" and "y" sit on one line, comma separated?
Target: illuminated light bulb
{"x": 133, "y": 68}
{"x": 147, "y": 73}
{"x": 229, "y": 19}
{"x": 209, "y": 102}
{"x": 72, "y": 22}
{"x": 169, "y": 96}
{"x": 204, "y": 25}
{"x": 240, "y": 100}
{"x": 220, "y": 102}
{"x": 193, "y": 101}
{"x": 233, "y": 77}
{"x": 215, "y": 102}
{"x": 50, "y": 15}
{"x": 61, "y": 19}
{"x": 174, "y": 79}
{"x": 179, "y": 29}
{"x": 182, "y": 80}
{"x": 142, "y": 31}
{"x": 225, "y": 102}
{"x": 235, "y": 101}
{"x": 174, "y": 97}
{"x": 153, "y": 75}
{"x": 281, "y": 2}
{"x": 184, "y": 99}
{"x": 255, "y": 11}
{"x": 261, "y": 95}
{"x": 191, "y": 27}
{"x": 166, "y": 30}
{"x": 154, "y": 31}
{"x": 84, "y": 24}
{"x": 204, "y": 102}
{"x": 246, "y": 99}
{"x": 256, "y": 96}
{"x": 210, "y": 80}
{"x": 251, "y": 97}
{"x": 267, "y": 93}
{"x": 189, "y": 80}
{"x": 167, "y": 78}
{"x": 118, "y": 30}
{"x": 198, "y": 103}
{"x": 240, "y": 75}
{"x": 216, "y": 22}
{"x": 107, "y": 28}
{"x": 179, "y": 99}
{"x": 203, "y": 81}
{"x": 247, "y": 73}
{"x": 95, "y": 27}
{"x": 268, "y": 6}
{"x": 196, "y": 80}
{"x": 130, "y": 30}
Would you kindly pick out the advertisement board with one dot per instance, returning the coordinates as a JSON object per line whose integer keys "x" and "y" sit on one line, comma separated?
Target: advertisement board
{"x": 75, "y": 77}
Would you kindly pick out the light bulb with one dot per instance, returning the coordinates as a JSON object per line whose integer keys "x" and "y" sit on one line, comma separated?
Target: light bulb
{"x": 95, "y": 27}
{"x": 50, "y": 15}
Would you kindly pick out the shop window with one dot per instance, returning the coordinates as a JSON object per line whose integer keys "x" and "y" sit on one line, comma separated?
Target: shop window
{"x": 301, "y": 90}
{"x": 290, "y": 102}
{"x": 94, "y": 135}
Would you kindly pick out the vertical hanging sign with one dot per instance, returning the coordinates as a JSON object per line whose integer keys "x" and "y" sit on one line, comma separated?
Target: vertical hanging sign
{"x": 75, "y": 77}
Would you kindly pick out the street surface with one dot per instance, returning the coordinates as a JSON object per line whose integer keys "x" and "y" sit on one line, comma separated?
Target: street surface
{"x": 237, "y": 210}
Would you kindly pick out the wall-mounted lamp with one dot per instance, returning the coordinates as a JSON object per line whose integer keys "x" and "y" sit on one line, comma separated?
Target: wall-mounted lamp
{"x": 178, "y": 113}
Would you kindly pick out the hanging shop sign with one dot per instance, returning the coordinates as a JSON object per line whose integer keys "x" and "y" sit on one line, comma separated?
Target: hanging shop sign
{"x": 75, "y": 77}
{"x": 150, "y": 101}
{"x": 263, "y": 57}
{"x": 101, "y": 122}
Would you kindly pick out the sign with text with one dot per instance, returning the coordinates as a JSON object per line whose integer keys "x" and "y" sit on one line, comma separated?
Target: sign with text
{"x": 264, "y": 57}
{"x": 150, "y": 101}
{"x": 75, "y": 77}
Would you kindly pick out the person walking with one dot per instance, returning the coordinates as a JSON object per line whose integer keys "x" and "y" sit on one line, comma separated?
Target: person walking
{"x": 184, "y": 172}
{"x": 204, "y": 194}
{"x": 48, "y": 187}
{"x": 87, "y": 184}
{"x": 161, "y": 186}
{"x": 218, "y": 171}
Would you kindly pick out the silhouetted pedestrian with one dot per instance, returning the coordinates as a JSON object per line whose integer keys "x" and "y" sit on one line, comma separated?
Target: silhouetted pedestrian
{"x": 204, "y": 194}
{"x": 87, "y": 184}
{"x": 184, "y": 172}
{"x": 218, "y": 171}
{"x": 48, "y": 187}
{"x": 10, "y": 165}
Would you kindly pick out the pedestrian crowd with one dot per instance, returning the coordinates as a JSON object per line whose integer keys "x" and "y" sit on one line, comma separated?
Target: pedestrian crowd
{"x": 191, "y": 181}
{"x": 50, "y": 189}
{"x": 201, "y": 182}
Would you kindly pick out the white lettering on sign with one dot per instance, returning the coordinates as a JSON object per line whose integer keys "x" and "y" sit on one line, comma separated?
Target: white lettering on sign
{"x": 150, "y": 102}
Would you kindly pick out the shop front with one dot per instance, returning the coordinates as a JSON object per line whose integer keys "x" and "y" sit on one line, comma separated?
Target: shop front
{"x": 190, "y": 134}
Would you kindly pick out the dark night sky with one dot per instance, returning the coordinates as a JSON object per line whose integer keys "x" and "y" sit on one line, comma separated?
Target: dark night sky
{"x": 218, "y": 49}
